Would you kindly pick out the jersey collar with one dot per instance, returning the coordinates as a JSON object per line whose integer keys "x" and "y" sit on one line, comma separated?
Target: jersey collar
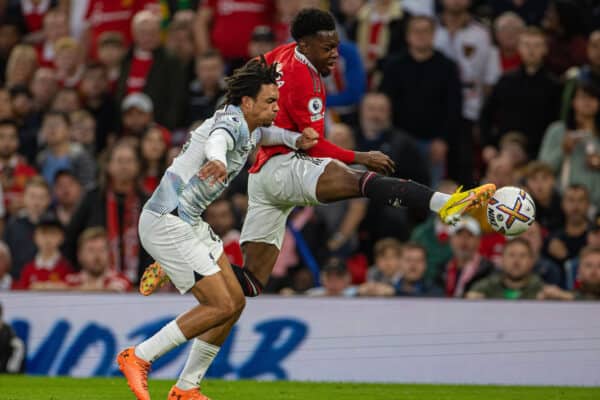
{"x": 302, "y": 58}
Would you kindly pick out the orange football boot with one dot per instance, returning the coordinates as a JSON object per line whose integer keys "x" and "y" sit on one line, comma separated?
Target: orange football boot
{"x": 136, "y": 372}
{"x": 192, "y": 394}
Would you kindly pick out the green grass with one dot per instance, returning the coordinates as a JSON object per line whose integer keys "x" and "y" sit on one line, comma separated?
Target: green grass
{"x": 37, "y": 388}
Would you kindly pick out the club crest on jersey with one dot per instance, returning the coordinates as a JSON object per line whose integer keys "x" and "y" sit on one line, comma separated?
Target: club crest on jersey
{"x": 315, "y": 105}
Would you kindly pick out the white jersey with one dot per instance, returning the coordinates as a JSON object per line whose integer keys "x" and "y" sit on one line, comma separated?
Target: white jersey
{"x": 472, "y": 50}
{"x": 182, "y": 188}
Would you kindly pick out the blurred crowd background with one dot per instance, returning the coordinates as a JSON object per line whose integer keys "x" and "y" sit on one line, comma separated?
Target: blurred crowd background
{"x": 98, "y": 96}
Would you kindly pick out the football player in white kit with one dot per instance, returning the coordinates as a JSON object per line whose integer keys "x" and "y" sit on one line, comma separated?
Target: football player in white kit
{"x": 172, "y": 231}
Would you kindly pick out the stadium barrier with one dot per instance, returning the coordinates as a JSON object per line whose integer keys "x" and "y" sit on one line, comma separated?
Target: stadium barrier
{"x": 371, "y": 340}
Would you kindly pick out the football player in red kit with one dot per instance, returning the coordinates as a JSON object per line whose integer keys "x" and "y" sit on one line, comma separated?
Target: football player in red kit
{"x": 282, "y": 178}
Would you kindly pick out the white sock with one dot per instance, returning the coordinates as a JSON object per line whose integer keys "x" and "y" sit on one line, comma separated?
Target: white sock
{"x": 437, "y": 201}
{"x": 199, "y": 359}
{"x": 165, "y": 340}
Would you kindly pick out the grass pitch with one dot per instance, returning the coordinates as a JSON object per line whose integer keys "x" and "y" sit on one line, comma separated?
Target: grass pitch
{"x": 38, "y": 388}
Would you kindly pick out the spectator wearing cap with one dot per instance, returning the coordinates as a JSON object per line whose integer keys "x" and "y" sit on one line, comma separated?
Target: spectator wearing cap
{"x": 469, "y": 44}
{"x": 5, "y": 267}
{"x": 588, "y": 276}
{"x": 572, "y": 148}
{"x": 111, "y": 51}
{"x": 424, "y": 87}
{"x": 115, "y": 204}
{"x": 335, "y": 280}
{"x": 565, "y": 243}
{"x": 541, "y": 185}
{"x": 207, "y": 91}
{"x": 466, "y": 266}
{"x": 261, "y": 42}
{"x": 137, "y": 114}
{"x": 96, "y": 272}
{"x": 516, "y": 279}
{"x": 18, "y": 234}
{"x": 507, "y": 28}
{"x": 531, "y": 87}
{"x": 588, "y": 73}
{"x": 149, "y": 68}
{"x": 14, "y": 169}
{"x": 68, "y": 192}
{"x": 61, "y": 153}
{"x": 49, "y": 268}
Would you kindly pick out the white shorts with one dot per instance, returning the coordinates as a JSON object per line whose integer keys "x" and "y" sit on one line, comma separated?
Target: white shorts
{"x": 185, "y": 252}
{"x": 284, "y": 182}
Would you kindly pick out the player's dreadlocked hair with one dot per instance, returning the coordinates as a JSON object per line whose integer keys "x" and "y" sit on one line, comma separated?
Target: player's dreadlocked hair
{"x": 310, "y": 21}
{"x": 247, "y": 80}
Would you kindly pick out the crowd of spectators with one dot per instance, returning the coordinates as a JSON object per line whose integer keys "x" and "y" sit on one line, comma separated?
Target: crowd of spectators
{"x": 98, "y": 96}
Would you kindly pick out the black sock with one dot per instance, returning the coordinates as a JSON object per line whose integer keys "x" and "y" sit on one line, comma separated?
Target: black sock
{"x": 250, "y": 285}
{"x": 395, "y": 192}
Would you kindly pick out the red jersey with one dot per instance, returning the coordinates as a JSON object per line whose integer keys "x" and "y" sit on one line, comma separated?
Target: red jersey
{"x": 39, "y": 271}
{"x": 34, "y": 14}
{"x": 112, "y": 15}
{"x": 234, "y": 21}
{"x": 301, "y": 105}
{"x": 232, "y": 248}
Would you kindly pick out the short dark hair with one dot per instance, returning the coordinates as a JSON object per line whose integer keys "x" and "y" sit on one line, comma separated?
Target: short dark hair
{"x": 9, "y": 122}
{"x": 578, "y": 186}
{"x": 60, "y": 114}
{"x": 414, "y": 246}
{"x": 418, "y": 17}
{"x": 311, "y": 21}
{"x": 518, "y": 240}
{"x": 248, "y": 80}
{"x": 587, "y": 250}
{"x": 210, "y": 53}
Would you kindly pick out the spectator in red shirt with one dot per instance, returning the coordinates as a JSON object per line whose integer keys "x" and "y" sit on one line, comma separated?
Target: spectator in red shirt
{"x": 467, "y": 265}
{"x": 149, "y": 68}
{"x": 49, "y": 268}
{"x": 56, "y": 26}
{"x": 507, "y": 28}
{"x": 153, "y": 156}
{"x": 96, "y": 272}
{"x": 14, "y": 169}
{"x": 219, "y": 215}
{"x": 67, "y": 62}
{"x": 228, "y": 24}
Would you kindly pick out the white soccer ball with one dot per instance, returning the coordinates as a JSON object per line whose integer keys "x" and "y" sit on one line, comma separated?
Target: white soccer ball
{"x": 511, "y": 211}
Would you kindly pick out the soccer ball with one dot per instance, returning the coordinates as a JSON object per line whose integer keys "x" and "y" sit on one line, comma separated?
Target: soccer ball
{"x": 511, "y": 211}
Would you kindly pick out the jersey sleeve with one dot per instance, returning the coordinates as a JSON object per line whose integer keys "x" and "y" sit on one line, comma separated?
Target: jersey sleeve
{"x": 230, "y": 123}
